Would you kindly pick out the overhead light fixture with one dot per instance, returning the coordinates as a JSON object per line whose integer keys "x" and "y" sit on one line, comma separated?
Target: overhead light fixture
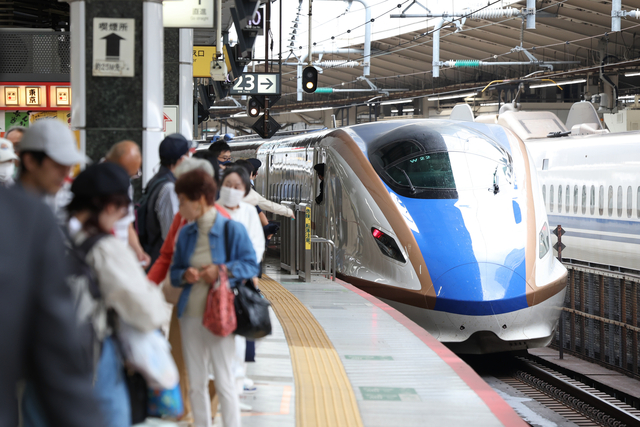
{"x": 632, "y": 73}
{"x": 306, "y": 110}
{"x": 627, "y": 97}
{"x": 454, "y": 96}
{"x": 397, "y": 101}
{"x": 239, "y": 115}
{"x": 568, "y": 82}
{"x": 489, "y": 104}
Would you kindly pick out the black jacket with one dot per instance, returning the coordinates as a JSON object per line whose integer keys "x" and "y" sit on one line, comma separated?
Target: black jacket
{"x": 37, "y": 317}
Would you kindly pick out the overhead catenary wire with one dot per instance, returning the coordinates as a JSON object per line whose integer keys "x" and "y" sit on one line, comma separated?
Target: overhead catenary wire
{"x": 533, "y": 48}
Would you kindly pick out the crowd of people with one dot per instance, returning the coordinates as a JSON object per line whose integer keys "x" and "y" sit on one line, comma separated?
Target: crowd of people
{"x": 80, "y": 262}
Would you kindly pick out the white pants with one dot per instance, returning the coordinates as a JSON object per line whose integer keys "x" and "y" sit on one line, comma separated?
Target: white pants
{"x": 202, "y": 350}
{"x": 239, "y": 367}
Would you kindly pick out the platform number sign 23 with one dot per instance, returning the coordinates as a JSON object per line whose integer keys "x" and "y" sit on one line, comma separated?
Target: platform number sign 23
{"x": 256, "y": 84}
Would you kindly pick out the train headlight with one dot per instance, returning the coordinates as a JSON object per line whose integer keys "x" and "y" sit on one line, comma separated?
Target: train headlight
{"x": 387, "y": 245}
{"x": 544, "y": 241}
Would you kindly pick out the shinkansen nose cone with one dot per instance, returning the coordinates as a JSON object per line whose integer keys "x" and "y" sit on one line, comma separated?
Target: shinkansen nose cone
{"x": 480, "y": 289}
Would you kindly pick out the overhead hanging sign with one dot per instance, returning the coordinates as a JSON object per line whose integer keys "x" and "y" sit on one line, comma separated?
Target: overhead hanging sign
{"x": 256, "y": 84}
{"x": 113, "y": 47}
{"x": 202, "y": 57}
{"x": 187, "y": 13}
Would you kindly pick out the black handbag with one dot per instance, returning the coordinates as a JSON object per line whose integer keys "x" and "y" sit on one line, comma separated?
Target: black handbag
{"x": 252, "y": 312}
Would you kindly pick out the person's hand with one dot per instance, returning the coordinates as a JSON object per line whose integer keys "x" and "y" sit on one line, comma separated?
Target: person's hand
{"x": 291, "y": 215}
{"x": 191, "y": 275}
{"x": 209, "y": 273}
{"x": 256, "y": 282}
{"x": 144, "y": 258}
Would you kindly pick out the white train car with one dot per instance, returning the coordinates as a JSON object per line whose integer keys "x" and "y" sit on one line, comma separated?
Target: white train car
{"x": 590, "y": 181}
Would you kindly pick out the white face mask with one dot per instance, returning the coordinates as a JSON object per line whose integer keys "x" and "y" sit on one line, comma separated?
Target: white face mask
{"x": 6, "y": 171}
{"x": 230, "y": 197}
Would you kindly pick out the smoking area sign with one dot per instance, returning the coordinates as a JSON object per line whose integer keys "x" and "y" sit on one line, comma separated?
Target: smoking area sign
{"x": 113, "y": 47}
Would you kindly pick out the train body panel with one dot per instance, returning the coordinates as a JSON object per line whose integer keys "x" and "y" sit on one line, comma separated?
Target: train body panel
{"x": 444, "y": 220}
{"x": 591, "y": 187}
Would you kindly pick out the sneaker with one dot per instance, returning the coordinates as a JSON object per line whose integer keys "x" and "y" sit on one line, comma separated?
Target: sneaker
{"x": 245, "y": 408}
{"x": 249, "y": 389}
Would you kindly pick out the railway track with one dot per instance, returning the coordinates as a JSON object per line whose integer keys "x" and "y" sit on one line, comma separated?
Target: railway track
{"x": 575, "y": 401}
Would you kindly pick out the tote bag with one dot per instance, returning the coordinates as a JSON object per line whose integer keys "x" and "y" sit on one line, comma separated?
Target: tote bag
{"x": 220, "y": 313}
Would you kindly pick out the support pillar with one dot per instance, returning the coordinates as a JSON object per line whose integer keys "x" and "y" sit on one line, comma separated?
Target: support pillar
{"x": 106, "y": 110}
{"x": 178, "y": 76}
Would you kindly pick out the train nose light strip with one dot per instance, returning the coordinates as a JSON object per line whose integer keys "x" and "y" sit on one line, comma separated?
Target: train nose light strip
{"x": 387, "y": 245}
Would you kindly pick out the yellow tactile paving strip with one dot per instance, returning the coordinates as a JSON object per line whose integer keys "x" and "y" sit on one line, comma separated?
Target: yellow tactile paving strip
{"x": 324, "y": 396}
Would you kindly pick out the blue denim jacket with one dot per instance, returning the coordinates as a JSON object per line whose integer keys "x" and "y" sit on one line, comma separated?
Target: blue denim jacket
{"x": 241, "y": 264}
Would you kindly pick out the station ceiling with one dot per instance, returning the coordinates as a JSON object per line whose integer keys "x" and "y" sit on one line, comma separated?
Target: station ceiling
{"x": 571, "y": 30}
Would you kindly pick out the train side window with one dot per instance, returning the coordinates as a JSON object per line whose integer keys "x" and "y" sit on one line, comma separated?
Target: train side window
{"x": 619, "y": 201}
{"x": 601, "y": 201}
{"x": 559, "y": 198}
{"x": 629, "y": 202}
{"x": 544, "y": 194}
{"x": 610, "y": 201}
{"x": 584, "y": 200}
{"x": 575, "y": 199}
{"x": 638, "y": 203}
{"x": 567, "y": 200}
{"x": 592, "y": 200}
{"x": 551, "y": 198}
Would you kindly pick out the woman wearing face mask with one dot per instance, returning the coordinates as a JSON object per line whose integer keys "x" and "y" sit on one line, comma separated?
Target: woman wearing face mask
{"x": 208, "y": 241}
{"x": 235, "y": 186}
{"x": 8, "y": 158}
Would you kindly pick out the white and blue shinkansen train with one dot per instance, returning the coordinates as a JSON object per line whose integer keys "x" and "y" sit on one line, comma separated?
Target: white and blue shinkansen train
{"x": 443, "y": 220}
{"x": 590, "y": 181}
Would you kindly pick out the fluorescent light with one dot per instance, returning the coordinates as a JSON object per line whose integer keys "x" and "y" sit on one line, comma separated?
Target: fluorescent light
{"x": 239, "y": 115}
{"x": 569, "y": 82}
{"x": 489, "y": 104}
{"x": 397, "y": 101}
{"x": 631, "y": 74}
{"x": 627, "y": 97}
{"x": 458, "y": 95}
{"x": 306, "y": 110}
{"x": 404, "y": 110}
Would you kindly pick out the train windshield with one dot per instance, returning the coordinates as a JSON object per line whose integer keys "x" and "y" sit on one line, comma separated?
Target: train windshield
{"x": 457, "y": 162}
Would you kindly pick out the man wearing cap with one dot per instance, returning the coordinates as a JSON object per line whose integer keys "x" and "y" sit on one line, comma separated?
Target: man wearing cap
{"x": 173, "y": 149}
{"x": 48, "y": 150}
{"x": 15, "y": 134}
{"x": 7, "y": 163}
{"x": 256, "y": 165}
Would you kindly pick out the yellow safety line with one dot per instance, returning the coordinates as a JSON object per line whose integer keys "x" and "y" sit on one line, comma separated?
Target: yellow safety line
{"x": 324, "y": 396}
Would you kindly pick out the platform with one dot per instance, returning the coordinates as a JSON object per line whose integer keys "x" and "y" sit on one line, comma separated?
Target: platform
{"x": 339, "y": 357}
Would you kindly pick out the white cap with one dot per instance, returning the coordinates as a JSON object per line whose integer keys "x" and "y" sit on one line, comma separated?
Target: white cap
{"x": 6, "y": 151}
{"x": 55, "y": 139}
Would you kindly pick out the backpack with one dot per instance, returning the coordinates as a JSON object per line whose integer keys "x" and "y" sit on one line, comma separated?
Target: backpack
{"x": 90, "y": 308}
{"x": 142, "y": 213}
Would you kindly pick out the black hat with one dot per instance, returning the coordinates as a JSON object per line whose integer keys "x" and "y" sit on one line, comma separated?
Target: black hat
{"x": 101, "y": 179}
{"x": 256, "y": 164}
{"x": 174, "y": 146}
{"x": 319, "y": 168}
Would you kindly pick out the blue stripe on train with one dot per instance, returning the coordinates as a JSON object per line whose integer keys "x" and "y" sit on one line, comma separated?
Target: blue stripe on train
{"x": 462, "y": 284}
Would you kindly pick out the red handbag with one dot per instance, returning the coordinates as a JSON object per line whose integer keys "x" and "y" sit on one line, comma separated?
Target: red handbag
{"x": 220, "y": 313}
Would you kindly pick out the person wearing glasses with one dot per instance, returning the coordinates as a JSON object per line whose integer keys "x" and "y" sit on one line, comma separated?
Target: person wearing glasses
{"x": 127, "y": 155}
